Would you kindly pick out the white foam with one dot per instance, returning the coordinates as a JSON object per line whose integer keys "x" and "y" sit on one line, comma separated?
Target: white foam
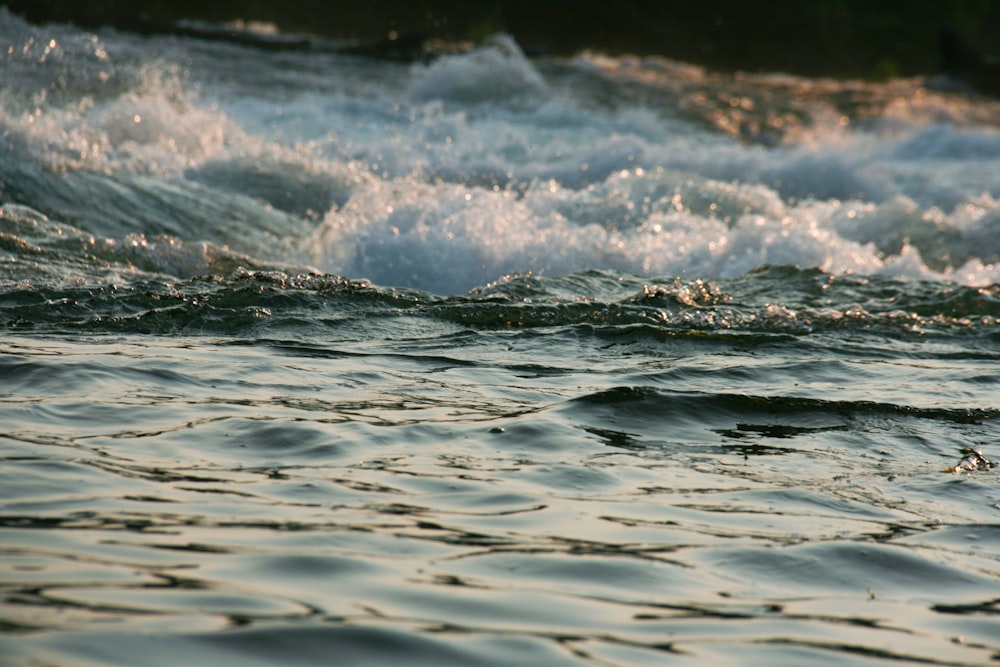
{"x": 497, "y": 72}
{"x": 448, "y": 175}
{"x": 449, "y": 237}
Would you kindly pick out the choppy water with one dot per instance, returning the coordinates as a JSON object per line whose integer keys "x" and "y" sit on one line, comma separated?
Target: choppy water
{"x": 310, "y": 359}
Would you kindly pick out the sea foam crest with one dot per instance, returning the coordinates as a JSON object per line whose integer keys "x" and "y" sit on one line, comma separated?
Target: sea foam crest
{"x": 448, "y": 237}
{"x": 448, "y": 175}
{"x": 497, "y": 71}
{"x": 156, "y": 127}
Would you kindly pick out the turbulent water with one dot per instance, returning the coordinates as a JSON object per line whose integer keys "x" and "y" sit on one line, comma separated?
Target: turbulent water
{"x": 313, "y": 359}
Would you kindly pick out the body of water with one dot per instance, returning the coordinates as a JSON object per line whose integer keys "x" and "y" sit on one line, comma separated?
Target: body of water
{"x": 311, "y": 359}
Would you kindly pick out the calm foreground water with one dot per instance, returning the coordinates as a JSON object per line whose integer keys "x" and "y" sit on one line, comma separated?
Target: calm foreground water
{"x": 309, "y": 359}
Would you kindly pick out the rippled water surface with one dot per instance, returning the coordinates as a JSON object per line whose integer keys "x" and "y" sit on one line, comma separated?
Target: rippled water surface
{"x": 311, "y": 359}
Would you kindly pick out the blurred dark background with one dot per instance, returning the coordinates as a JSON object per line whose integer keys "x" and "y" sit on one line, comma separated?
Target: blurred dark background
{"x": 844, "y": 38}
